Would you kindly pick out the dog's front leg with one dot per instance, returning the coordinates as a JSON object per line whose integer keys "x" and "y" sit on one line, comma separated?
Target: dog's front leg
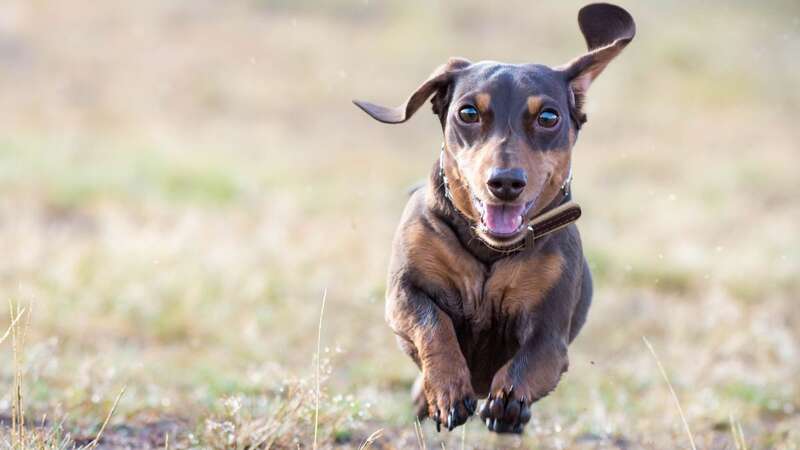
{"x": 530, "y": 375}
{"x": 426, "y": 333}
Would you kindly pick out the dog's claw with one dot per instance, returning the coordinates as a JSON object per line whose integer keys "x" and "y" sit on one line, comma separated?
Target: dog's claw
{"x": 453, "y": 413}
{"x": 484, "y": 412}
{"x": 471, "y": 404}
{"x": 496, "y": 407}
{"x": 503, "y": 413}
{"x": 525, "y": 414}
{"x": 450, "y": 419}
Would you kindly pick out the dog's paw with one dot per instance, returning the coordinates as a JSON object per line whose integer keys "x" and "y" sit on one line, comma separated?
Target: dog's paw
{"x": 506, "y": 411}
{"x": 450, "y": 401}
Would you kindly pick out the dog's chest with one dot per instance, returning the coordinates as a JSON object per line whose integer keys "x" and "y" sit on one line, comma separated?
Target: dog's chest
{"x": 477, "y": 297}
{"x": 485, "y": 299}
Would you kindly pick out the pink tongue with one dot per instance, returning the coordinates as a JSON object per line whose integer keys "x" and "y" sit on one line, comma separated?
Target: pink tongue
{"x": 503, "y": 219}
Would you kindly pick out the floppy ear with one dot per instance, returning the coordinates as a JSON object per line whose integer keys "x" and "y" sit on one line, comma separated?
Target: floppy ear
{"x": 436, "y": 83}
{"x": 607, "y": 29}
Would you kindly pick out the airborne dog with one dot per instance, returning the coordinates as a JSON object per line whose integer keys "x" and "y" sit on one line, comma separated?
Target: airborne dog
{"x": 487, "y": 282}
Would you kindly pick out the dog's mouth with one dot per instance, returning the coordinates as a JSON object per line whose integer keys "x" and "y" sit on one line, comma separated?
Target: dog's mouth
{"x": 502, "y": 220}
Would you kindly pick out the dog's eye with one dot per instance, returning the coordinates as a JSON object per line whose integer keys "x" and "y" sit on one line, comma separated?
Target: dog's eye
{"x": 547, "y": 118}
{"x": 468, "y": 114}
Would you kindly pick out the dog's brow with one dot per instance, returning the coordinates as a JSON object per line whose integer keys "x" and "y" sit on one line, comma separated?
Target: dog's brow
{"x": 482, "y": 101}
{"x": 534, "y": 103}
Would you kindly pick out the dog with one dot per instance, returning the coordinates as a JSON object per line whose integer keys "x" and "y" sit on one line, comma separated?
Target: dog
{"x": 487, "y": 282}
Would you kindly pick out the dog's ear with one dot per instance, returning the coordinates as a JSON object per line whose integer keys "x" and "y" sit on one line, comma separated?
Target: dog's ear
{"x": 436, "y": 83}
{"x": 607, "y": 29}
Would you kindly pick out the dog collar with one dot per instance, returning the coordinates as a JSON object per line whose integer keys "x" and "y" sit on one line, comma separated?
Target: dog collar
{"x": 564, "y": 213}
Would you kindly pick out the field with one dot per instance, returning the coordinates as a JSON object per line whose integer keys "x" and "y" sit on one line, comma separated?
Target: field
{"x": 185, "y": 181}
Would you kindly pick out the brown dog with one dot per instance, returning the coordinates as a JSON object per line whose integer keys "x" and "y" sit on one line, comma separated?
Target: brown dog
{"x": 483, "y": 301}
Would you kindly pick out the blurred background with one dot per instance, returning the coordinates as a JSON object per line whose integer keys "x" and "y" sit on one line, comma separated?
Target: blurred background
{"x": 183, "y": 180}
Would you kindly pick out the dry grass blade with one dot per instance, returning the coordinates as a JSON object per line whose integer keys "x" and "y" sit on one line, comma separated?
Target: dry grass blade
{"x": 10, "y": 327}
{"x": 738, "y": 434}
{"x": 420, "y": 437}
{"x": 17, "y": 344}
{"x": 372, "y": 438}
{"x": 316, "y": 376}
{"x": 97, "y": 438}
{"x": 672, "y": 390}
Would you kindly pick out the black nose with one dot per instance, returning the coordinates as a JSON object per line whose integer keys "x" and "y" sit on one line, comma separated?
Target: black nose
{"x": 507, "y": 184}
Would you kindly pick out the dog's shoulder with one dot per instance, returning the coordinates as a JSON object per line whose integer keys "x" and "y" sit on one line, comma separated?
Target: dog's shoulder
{"x": 427, "y": 250}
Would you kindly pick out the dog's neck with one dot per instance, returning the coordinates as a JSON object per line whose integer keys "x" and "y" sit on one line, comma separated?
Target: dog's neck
{"x": 443, "y": 207}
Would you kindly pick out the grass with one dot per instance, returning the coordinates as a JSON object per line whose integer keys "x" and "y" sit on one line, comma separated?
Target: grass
{"x": 265, "y": 421}
{"x": 179, "y": 195}
{"x": 674, "y": 395}
{"x": 316, "y": 373}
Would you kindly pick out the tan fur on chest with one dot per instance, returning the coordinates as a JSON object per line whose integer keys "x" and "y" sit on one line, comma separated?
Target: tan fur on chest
{"x": 520, "y": 283}
{"x": 511, "y": 286}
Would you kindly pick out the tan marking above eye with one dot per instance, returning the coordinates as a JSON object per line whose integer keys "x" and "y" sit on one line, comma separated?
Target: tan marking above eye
{"x": 534, "y": 104}
{"x": 482, "y": 101}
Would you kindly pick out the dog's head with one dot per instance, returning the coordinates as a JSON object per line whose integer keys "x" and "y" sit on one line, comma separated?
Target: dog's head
{"x": 509, "y": 129}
